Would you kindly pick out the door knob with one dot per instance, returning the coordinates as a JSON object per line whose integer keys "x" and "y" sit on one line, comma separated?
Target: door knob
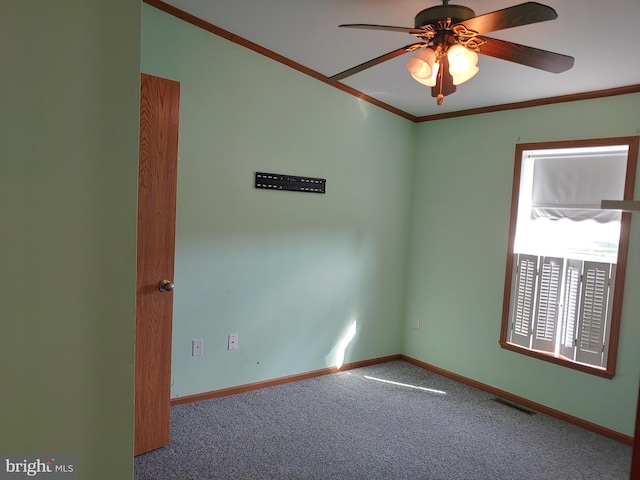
{"x": 165, "y": 286}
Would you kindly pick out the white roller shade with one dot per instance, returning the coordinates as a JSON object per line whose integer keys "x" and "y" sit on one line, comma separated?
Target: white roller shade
{"x": 573, "y": 186}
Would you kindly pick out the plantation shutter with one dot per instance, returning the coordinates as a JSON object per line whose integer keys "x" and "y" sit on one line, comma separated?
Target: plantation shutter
{"x": 548, "y": 300}
{"x": 594, "y": 312}
{"x": 522, "y": 308}
{"x": 570, "y": 304}
{"x": 607, "y": 328}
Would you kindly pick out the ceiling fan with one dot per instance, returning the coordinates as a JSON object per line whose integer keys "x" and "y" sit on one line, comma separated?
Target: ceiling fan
{"x": 452, "y": 36}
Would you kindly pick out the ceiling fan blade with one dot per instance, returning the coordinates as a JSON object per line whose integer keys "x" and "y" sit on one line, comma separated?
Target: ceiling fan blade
{"x": 529, "y": 56}
{"x": 523, "y": 14}
{"x": 444, "y": 84}
{"x": 411, "y": 30}
{"x": 376, "y": 61}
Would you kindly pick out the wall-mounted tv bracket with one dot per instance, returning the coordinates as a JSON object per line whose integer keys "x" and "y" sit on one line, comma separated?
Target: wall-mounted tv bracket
{"x": 294, "y": 183}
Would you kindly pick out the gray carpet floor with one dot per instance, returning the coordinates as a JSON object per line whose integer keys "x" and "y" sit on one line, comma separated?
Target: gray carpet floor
{"x": 358, "y": 425}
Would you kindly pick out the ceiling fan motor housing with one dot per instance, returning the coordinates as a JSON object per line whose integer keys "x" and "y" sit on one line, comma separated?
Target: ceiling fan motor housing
{"x": 442, "y": 13}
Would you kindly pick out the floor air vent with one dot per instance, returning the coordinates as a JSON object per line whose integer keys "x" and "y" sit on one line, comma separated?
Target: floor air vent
{"x": 514, "y": 405}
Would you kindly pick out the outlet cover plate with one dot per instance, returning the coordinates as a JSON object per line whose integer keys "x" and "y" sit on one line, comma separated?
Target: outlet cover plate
{"x": 196, "y": 348}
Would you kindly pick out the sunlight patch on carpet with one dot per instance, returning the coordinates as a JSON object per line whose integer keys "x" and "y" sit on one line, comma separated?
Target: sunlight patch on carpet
{"x": 430, "y": 390}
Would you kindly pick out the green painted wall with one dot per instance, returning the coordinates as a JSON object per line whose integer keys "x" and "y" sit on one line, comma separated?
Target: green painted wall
{"x": 458, "y": 247}
{"x": 68, "y": 176}
{"x": 289, "y": 272}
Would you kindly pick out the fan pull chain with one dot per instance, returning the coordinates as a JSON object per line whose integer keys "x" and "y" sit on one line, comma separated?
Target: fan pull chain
{"x": 440, "y": 97}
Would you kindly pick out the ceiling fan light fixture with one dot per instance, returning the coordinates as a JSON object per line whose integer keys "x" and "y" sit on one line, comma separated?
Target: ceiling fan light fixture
{"x": 423, "y": 67}
{"x": 419, "y": 68}
{"x": 428, "y": 55}
{"x": 459, "y": 79}
{"x": 430, "y": 81}
{"x": 462, "y": 63}
{"x": 461, "y": 59}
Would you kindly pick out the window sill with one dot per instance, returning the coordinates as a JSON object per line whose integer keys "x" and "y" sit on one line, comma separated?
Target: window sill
{"x": 558, "y": 360}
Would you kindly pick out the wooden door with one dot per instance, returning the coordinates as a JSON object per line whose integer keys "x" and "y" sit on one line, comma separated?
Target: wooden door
{"x": 635, "y": 457}
{"x": 159, "y": 114}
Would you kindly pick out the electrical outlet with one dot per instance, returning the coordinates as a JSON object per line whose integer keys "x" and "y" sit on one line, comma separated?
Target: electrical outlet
{"x": 233, "y": 341}
{"x": 416, "y": 321}
{"x": 196, "y": 348}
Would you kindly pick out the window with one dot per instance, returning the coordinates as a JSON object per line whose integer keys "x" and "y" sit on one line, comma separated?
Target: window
{"x": 566, "y": 257}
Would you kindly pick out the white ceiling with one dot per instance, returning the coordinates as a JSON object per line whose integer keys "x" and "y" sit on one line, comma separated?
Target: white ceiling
{"x": 600, "y": 34}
